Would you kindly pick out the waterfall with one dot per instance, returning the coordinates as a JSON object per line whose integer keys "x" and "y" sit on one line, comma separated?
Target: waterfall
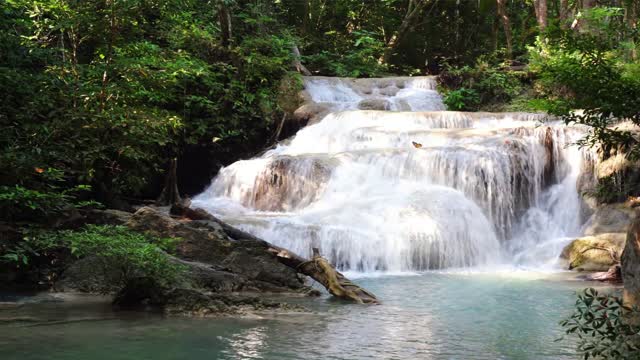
{"x": 409, "y": 187}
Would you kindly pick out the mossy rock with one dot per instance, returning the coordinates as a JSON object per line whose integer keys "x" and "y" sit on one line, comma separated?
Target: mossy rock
{"x": 594, "y": 253}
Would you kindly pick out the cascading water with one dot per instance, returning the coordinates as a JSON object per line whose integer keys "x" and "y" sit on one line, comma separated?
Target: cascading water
{"x": 410, "y": 188}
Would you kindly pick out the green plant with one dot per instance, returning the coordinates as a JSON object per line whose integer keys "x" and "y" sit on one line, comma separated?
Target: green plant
{"x": 486, "y": 85}
{"x": 34, "y": 243}
{"x": 592, "y": 70}
{"x": 462, "y": 99}
{"x": 605, "y": 328}
{"x": 123, "y": 254}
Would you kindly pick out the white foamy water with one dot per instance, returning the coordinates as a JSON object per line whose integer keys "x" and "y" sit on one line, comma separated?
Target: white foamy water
{"x": 480, "y": 189}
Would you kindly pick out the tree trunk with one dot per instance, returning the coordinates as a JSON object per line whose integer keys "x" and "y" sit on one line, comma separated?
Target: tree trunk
{"x": 224, "y": 18}
{"x": 630, "y": 263}
{"x": 506, "y": 24}
{"x": 318, "y": 268}
{"x": 631, "y": 14}
{"x": 540, "y": 7}
{"x": 414, "y": 10}
{"x": 170, "y": 194}
{"x": 587, "y": 4}
{"x": 297, "y": 63}
{"x": 563, "y": 12}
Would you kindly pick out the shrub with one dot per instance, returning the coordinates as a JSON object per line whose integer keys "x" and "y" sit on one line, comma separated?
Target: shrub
{"x": 124, "y": 254}
{"x": 604, "y": 327}
{"x": 485, "y": 85}
{"x": 462, "y": 99}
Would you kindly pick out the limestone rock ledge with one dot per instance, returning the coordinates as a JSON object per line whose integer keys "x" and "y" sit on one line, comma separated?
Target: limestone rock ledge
{"x": 594, "y": 253}
{"x": 221, "y": 275}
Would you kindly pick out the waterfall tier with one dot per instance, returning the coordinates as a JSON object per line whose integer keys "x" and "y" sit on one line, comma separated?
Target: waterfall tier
{"x": 408, "y": 190}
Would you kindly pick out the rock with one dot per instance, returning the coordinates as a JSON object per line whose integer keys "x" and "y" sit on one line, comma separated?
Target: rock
{"x": 374, "y": 104}
{"x": 191, "y": 302}
{"x": 144, "y": 294}
{"x": 594, "y": 253}
{"x": 611, "y": 218}
{"x": 310, "y": 113}
{"x": 88, "y": 275}
{"x": 247, "y": 265}
{"x": 140, "y": 292}
{"x": 106, "y": 217}
{"x": 630, "y": 263}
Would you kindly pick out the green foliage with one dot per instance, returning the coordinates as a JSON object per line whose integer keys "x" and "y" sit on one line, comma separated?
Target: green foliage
{"x": 592, "y": 70}
{"x": 120, "y": 254}
{"x": 604, "y": 327}
{"x": 34, "y": 243}
{"x": 461, "y": 99}
{"x": 361, "y": 59}
{"x": 107, "y": 92}
{"x": 123, "y": 254}
{"x": 486, "y": 85}
{"x": 50, "y": 199}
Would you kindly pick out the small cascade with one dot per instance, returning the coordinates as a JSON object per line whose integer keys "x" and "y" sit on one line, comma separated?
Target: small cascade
{"x": 410, "y": 187}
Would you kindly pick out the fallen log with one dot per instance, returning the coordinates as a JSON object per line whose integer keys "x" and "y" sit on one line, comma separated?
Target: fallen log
{"x": 318, "y": 268}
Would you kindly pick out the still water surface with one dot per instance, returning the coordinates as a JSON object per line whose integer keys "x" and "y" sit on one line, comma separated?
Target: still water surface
{"x": 508, "y": 315}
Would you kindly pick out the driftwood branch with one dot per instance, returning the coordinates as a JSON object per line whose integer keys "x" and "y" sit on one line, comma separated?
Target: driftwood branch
{"x": 297, "y": 61}
{"x": 612, "y": 253}
{"x": 318, "y": 268}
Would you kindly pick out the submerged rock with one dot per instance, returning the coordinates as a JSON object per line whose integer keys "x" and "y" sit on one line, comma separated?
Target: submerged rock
{"x": 374, "y": 104}
{"x": 145, "y": 294}
{"x": 594, "y": 253}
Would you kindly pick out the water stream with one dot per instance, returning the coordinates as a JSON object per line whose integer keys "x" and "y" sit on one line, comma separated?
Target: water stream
{"x": 436, "y": 316}
{"x": 411, "y": 187}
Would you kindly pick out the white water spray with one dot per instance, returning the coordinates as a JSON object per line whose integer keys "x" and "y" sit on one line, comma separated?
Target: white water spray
{"x": 412, "y": 189}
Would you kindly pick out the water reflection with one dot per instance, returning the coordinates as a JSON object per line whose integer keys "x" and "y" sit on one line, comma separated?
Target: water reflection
{"x": 248, "y": 344}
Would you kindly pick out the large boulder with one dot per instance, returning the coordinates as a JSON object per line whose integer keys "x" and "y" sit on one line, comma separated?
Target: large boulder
{"x": 630, "y": 263}
{"x": 594, "y": 253}
{"x": 611, "y": 218}
{"x": 205, "y": 242}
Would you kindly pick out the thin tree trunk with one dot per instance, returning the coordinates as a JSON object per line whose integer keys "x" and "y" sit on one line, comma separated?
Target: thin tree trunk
{"x": 540, "y": 7}
{"x": 297, "y": 63}
{"x": 170, "y": 194}
{"x": 563, "y": 13}
{"x": 414, "y": 10}
{"x": 224, "y": 18}
{"x": 506, "y": 24}
{"x": 631, "y": 14}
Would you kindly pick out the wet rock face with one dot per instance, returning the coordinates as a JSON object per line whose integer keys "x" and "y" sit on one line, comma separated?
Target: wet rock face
{"x": 609, "y": 219}
{"x": 374, "y": 104}
{"x": 594, "y": 253}
{"x": 288, "y": 184}
{"x": 309, "y": 113}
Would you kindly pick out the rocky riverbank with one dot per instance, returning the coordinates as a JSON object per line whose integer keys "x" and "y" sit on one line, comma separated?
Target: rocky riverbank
{"x": 218, "y": 275}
